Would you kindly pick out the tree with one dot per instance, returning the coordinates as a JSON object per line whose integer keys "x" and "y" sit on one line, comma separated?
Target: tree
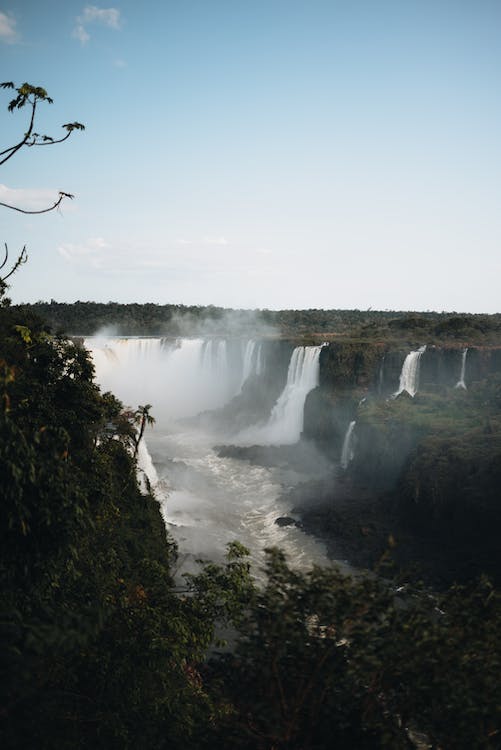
{"x": 142, "y": 417}
{"x": 30, "y": 96}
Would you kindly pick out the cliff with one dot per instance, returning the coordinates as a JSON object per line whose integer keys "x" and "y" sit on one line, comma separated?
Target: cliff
{"x": 434, "y": 457}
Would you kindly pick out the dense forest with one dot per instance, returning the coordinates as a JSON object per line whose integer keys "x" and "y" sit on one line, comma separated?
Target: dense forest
{"x": 87, "y": 318}
{"x": 100, "y": 649}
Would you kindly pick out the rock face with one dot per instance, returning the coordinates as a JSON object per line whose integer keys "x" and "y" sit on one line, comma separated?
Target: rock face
{"x": 437, "y": 455}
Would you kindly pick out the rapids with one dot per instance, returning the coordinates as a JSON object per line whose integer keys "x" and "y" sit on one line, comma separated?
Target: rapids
{"x": 208, "y": 500}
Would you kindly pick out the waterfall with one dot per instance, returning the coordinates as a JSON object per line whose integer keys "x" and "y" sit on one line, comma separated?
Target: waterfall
{"x": 259, "y": 360}
{"x": 348, "y": 451}
{"x": 381, "y": 376}
{"x": 461, "y": 383}
{"x": 206, "y": 499}
{"x": 252, "y": 361}
{"x": 215, "y": 368}
{"x": 180, "y": 378}
{"x": 286, "y": 419}
{"x": 409, "y": 377}
{"x": 146, "y": 469}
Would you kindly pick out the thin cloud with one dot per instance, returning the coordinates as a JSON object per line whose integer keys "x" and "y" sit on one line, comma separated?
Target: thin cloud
{"x": 221, "y": 241}
{"x": 211, "y": 241}
{"x": 109, "y": 17}
{"x": 8, "y": 31}
{"x": 89, "y": 251}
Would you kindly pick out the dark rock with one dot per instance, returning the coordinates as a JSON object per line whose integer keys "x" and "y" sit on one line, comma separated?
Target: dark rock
{"x": 287, "y": 521}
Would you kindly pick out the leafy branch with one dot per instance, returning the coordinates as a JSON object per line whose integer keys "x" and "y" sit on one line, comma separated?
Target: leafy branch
{"x": 28, "y": 95}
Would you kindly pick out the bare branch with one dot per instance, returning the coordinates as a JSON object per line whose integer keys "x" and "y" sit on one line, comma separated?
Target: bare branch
{"x": 6, "y": 256}
{"x": 62, "y": 196}
{"x": 13, "y": 149}
{"x": 23, "y": 257}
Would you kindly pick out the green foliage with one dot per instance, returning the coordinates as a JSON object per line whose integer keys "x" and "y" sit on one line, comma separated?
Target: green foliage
{"x": 95, "y": 643}
{"x": 100, "y": 650}
{"x": 302, "y": 326}
{"x": 329, "y": 660}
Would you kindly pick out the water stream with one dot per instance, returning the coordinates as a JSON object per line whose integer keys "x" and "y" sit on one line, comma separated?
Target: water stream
{"x": 207, "y": 500}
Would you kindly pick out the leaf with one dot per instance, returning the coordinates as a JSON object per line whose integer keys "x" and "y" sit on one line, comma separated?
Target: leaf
{"x": 25, "y": 333}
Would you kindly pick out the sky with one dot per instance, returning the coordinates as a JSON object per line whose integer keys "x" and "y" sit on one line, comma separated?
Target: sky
{"x": 258, "y": 153}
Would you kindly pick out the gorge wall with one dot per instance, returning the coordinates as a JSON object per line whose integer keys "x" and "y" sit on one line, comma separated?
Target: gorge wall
{"x": 414, "y": 428}
{"x": 435, "y": 454}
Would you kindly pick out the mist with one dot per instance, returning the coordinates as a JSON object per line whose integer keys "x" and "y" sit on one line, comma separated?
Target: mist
{"x": 226, "y": 443}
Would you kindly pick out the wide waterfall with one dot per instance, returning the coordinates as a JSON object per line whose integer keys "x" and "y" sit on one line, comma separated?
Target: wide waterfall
{"x": 285, "y": 424}
{"x": 209, "y": 500}
{"x": 461, "y": 383}
{"x": 409, "y": 377}
{"x": 180, "y": 377}
{"x": 348, "y": 450}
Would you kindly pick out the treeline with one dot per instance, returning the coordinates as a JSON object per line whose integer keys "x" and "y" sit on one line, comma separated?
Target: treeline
{"x": 87, "y": 318}
{"x": 100, "y": 650}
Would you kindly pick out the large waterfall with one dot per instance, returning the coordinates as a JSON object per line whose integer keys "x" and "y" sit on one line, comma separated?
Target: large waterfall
{"x": 180, "y": 377}
{"x": 409, "y": 377}
{"x": 209, "y": 500}
{"x": 286, "y": 419}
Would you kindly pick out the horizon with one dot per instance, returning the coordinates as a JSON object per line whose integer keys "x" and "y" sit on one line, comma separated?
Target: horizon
{"x": 256, "y": 309}
{"x": 273, "y": 156}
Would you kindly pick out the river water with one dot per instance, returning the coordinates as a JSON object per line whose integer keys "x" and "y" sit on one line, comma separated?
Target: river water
{"x": 208, "y": 500}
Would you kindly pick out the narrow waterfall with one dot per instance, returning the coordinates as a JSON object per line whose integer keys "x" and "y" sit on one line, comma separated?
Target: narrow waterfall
{"x": 285, "y": 424}
{"x": 461, "y": 383}
{"x": 259, "y": 366}
{"x": 146, "y": 469}
{"x": 381, "y": 376}
{"x": 252, "y": 360}
{"x": 348, "y": 451}
{"x": 248, "y": 359}
{"x": 409, "y": 377}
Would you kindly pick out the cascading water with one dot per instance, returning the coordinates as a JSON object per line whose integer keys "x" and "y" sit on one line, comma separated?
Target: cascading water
{"x": 285, "y": 424}
{"x": 252, "y": 360}
{"x": 409, "y": 377}
{"x": 181, "y": 377}
{"x": 461, "y": 383}
{"x": 208, "y": 500}
{"x": 348, "y": 451}
{"x": 381, "y": 377}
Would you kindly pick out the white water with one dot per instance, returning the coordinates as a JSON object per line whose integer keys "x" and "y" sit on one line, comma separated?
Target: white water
{"x": 286, "y": 420}
{"x": 461, "y": 383}
{"x": 181, "y": 377}
{"x": 206, "y": 500}
{"x": 348, "y": 451}
{"x": 409, "y": 377}
{"x": 252, "y": 360}
{"x": 147, "y": 474}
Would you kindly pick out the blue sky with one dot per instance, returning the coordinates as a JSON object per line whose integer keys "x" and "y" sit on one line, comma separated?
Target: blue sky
{"x": 259, "y": 154}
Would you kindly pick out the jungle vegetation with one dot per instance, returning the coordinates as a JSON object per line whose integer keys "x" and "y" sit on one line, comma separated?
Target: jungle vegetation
{"x": 86, "y": 318}
{"x": 100, "y": 650}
